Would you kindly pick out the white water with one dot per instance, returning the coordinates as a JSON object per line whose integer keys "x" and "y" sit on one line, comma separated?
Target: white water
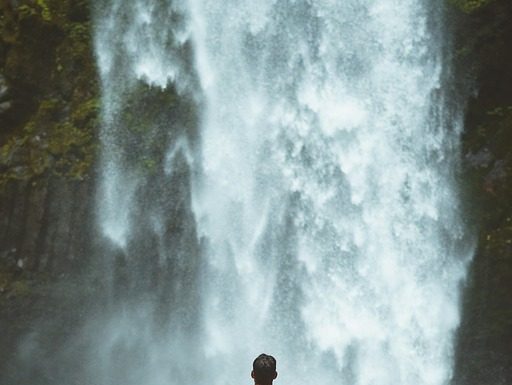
{"x": 323, "y": 186}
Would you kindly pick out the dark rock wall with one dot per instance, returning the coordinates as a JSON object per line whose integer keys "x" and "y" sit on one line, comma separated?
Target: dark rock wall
{"x": 48, "y": 147}
{"x": 43, "y": 224}
{"x": 483, "y": 58}
{"x": 48, "y": 125}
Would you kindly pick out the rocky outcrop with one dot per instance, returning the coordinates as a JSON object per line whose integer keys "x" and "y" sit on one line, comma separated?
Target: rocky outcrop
{"x": 484, "y": 60}
{"x": 48, "y": 146}
{"x": 48, "y": 120}
{"x": 5, "y": 102}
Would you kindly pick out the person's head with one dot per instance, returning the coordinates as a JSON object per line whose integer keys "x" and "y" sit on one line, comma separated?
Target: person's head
{"x": 264, "y": 369}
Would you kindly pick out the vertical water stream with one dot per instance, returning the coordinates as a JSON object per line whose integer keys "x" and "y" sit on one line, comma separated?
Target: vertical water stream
{"x": 309, "y": 209}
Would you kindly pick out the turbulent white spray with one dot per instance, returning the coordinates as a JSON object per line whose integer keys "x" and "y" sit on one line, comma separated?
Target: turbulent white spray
{"x": 327, "y": 158}
{"x": 325, "y": 197}
{"x": 137, "y": 42}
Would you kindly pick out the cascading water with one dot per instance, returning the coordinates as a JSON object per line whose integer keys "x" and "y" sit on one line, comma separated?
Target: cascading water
{"x": 321, "y": 183}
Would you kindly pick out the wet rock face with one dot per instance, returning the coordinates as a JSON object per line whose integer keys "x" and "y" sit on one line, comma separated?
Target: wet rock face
{"x": 48, "y": 120}
{"x": 44, "y": 225}
{"x": 484, "y": 47}
{"x": 5, "y": 102}
{"x": 48, "y": 130}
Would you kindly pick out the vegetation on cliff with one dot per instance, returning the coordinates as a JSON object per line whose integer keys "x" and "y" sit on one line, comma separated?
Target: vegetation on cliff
{"x": 469, "y": 6}
{"x": 48, "y": 143}
{"x": 46, "y": 60}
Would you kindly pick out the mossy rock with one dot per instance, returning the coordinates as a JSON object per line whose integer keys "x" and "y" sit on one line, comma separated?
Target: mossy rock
{"x": 470, "y": 6}
{"x": 14, "y": 282}
{"x": 138, "y": 126}
{"x": 52, "y": 142}
{"x": 53, "y": 125}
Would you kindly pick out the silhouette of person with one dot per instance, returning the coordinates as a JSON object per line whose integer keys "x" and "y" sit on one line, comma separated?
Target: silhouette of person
{"x": 264, "y": 370}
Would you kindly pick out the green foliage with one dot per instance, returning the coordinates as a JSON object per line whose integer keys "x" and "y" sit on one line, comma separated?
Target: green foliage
{"x": 20, "y": 288}
{"x": 26, "y": 11}
{"x": 38, "y": 8}
{"x": 53, "y": 131}
{"x": 469, "y": 6}
{"x": 49, "y": 144}
{"x": 13, "y": 283}
{"x": 86, "y": 114}
{"x": 45, "y": 10}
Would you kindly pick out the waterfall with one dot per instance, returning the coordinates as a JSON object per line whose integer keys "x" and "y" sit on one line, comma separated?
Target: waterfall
{"x": 278, "y": 176}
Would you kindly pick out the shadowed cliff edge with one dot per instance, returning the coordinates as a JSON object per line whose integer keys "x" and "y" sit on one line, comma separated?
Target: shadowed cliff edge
{"x": 48, "y": 146}
{"x": 483, "y": 58}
